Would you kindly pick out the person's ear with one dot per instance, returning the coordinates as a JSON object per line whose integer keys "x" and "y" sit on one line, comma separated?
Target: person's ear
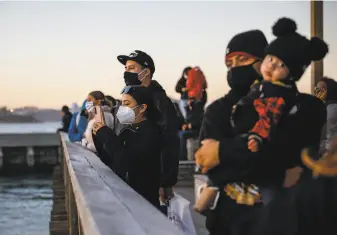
{"x": 144, "y": 106}
{"x": 147, "y": 72}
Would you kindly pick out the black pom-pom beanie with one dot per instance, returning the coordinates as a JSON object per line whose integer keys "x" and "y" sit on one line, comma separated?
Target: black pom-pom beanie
{"x": 295, "y": 50}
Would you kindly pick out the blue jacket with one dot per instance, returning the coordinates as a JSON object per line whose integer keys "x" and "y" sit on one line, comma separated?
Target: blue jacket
{"x": 76, "y": 133}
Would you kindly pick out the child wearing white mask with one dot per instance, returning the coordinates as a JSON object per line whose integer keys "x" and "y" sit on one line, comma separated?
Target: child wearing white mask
{"x": 96, "y": 98}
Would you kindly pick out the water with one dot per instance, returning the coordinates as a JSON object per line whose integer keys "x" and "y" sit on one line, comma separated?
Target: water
{"x": 43, "y": 127}
{"x": 25, "y": 205}
{"x": 25, "y": 202}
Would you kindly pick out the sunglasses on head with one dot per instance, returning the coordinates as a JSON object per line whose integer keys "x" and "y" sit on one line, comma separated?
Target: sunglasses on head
{"x": 128, "y": 89}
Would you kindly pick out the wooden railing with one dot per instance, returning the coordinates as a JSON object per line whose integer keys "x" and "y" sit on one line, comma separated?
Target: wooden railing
{"x": 99, "y": 203}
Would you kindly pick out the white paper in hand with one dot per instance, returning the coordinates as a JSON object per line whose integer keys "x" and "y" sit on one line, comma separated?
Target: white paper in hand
{"x": 179, "y": 213}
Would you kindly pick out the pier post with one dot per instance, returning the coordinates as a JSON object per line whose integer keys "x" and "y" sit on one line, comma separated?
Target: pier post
{"x": 316, "y": 31}
{"x": 30, "y": 157}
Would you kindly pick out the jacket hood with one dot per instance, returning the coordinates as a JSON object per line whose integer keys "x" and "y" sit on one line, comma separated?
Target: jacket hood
{"x": 106, "y": 108}
{"x": 74, "y": 108}
{"x": 156, "y": 87}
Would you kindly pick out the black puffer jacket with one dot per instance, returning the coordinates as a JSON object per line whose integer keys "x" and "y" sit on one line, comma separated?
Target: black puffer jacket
{"x": 135, "y": 156}
{"x": 180, "y": 85}
{"x": 310, "y": 208}
{"x": 266, "y": 167}
{"x": 66, "y": 119}
{"x": 195, "y": 114}
{"x": 169, "y": 124}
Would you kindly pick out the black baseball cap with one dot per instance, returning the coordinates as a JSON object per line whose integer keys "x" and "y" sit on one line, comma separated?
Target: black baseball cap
{"x": 140, "y": 57}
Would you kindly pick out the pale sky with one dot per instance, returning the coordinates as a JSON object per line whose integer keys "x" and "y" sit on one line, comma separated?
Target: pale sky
{"x": 55, "y": 53}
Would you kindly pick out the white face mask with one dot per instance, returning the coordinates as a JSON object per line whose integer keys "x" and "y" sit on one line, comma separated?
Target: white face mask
{"x": 126, "y": 115}
{"x": 89, "y": 106}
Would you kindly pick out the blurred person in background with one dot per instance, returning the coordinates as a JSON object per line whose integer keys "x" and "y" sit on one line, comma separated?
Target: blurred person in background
{"x": 191, "y": 128}
{"x": 326, "y": 90}
{"x": 78, "y": 124}
{"x": 181, "y": 88}
{"x": 75, "y": 108}
{"x": 96, "y": 98}
{"x": 66, "y": 119}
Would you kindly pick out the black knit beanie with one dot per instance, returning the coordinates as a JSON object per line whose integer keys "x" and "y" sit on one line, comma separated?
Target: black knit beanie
{"x": 295, "y": 50}
{"x": 252, "y": 42}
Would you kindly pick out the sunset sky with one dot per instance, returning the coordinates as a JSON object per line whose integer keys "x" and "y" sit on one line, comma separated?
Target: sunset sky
{"x": 55, "y": 53}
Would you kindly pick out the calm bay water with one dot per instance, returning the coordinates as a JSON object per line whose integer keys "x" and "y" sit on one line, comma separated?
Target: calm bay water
{"x": 43, "y": 127}
{"x": 25, "y": 205}
{"x": 26, "y": 201}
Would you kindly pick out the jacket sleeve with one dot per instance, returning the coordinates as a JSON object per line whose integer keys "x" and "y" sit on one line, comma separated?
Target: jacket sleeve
{"x": 179, "y": 86}
{"x": 196, "y": 119}
{"x": 105, "y": 142}
{"x": 234, "y": 151}
{"x": 73, "y": 132}
{"x": 316, "y": 116}
{"x": 170, "y": 151}
{"x": 211, "y": 123}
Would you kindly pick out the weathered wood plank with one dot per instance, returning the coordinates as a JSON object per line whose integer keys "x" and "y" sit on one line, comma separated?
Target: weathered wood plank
{"x": 106, "y": 204}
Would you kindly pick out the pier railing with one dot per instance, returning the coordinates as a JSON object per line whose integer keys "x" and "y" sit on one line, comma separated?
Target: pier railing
{"x": 99, "y": 203}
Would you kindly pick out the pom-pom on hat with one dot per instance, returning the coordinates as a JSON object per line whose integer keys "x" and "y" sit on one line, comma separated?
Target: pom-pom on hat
{"x": 295, "y": 50}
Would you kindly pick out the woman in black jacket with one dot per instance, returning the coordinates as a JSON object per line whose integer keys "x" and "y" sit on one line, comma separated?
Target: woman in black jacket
{"x": 135, "y": 154}
{"x": 181, "y": 88}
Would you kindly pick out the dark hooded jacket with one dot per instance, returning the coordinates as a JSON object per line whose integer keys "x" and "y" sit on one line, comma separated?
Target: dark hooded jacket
{"x": 134, "y": 155}
{"x": 266, "y": 167}
{"x": 310, "y": 208}
{"x": 169, "y": 123}
{"x": 66, "y": 119}
{"x": 180, "y": 85}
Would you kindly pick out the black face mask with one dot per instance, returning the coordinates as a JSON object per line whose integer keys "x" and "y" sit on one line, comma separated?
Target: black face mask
{"x": 241, "y": 78}
{"x": 131, "y": 79}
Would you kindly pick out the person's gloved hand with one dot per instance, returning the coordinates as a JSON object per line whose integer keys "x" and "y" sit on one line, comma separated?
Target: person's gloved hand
{"x": 89, "y": 106}
{"x": 207, "y": 157}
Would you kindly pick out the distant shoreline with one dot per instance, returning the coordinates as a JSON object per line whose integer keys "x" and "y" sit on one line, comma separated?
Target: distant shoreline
{"x": 18, "y": 119}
